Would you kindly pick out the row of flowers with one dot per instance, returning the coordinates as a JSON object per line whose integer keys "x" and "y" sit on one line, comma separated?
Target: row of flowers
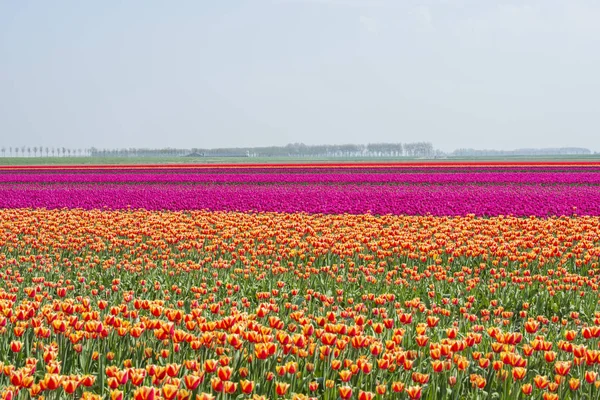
{"x": 140, "y": 304}
{"x": 437, "y": 200}
{"x": 291, "y": 176}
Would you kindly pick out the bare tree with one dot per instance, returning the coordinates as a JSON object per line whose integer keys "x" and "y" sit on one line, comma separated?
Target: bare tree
{"x": 3, "y": 151}
{"x": 47, "y": 151}
{"x": 35, "y": 149}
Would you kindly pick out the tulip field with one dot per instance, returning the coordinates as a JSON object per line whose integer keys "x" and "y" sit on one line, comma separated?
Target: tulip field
{"x": 301, "y": 281}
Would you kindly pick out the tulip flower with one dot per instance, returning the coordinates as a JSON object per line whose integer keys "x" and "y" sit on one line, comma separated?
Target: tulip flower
{"x": 527, "y": 388}
{"x": 345, "y": 392}
{"x": 281, "y": 388}
{"x": 414, "y": 392}
{"x": 16, "y": 346}
{"x": 246, "y": 386}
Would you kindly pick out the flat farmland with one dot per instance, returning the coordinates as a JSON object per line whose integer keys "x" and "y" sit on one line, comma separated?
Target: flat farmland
{"x": 458, "y": 280}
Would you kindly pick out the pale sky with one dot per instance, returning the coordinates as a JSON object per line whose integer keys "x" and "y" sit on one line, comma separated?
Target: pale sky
{"x": 227, "y": 73}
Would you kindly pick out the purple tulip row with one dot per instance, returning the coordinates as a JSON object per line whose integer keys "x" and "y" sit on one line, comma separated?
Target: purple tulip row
{"x": 417, "y": 199}
{"x": 253, "y": 177}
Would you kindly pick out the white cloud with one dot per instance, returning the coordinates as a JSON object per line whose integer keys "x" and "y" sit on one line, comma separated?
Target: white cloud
{"x": 423, "y": 16}
{"x": 347, "y": 3}
{"x": 582, "y": 16}
{"x": 369, "y": 24}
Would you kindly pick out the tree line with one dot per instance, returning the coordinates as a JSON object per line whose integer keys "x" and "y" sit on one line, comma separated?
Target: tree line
{"x": 47, "y": 151}
{"x": 298, "y": 150}
{"x": 521, "y": 152}
{"x": 416, "y": 149}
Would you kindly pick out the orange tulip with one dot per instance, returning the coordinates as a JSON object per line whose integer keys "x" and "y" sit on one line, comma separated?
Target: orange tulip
{"x": 365, "y": 395}
{"x": 224, "y": 373}
{"x": 532, "y": 326}
{"x": 229, "y": 387}
{"x": 70, "y": 385}
{"x": 246, "y": 386}
{"x": 183, "y": 394}
{"x": 421, "y": 340}
{"x": 345, "y": 375}
{"x": 335, "y": 365}
{"x": 570, "y": 335}
{"x": 345, "y": 392}
{"x": 414, "y": 392}
{"x": 173, "y": 370}
{"x": 281, "y": 388}
{"x": 549, "y": 396}
{"x": 397, "y": 387}
{"x": 15, "y": 346}
{"x": 51, "y": 382}
{"x": 116, "y": 395}
{"x": 484, "y": 363}
{"x": 217, "y": 384}
{"x": 137, "y": 378}
{"x": 437, "y": 365}
{"x": 451, "y": 333}
{"x": 574, "y": 383}
{"x": 549, "y": 356}
{"x": 261, "y": 351}
{"x": 527, "y": 388}
{"x": 462, "y": 363}
{"x": 590, "y": 376}
{"x": 519, "y": 373}
{"x": 541, "y": 382}
{"x": 192, "y": 381}
{"x": 210, "y": 365}
{"x": 144, "y": 393}
{"x": 562, "y": 367}
{"x": 169, "y": 391}
{"x": 122, "y": 376}
{"x": 16, "y": 378}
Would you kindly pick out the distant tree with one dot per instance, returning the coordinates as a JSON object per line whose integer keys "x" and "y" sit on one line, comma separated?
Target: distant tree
{"x": 17, "y": 151}
{"x": 409, "y": 149}
{"x": 23, "y": 151}
{"x": 47, "y": 150}
{"x": 3, "y": 151}
{"x": 10, "y": 150}
{"x": 35, "y": 149}
{"x": 64, "y": 150}
{"x": 29, "y": 151}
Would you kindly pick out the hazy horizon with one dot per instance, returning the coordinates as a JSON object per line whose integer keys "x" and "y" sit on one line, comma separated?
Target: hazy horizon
{"x": 457, "y": 73}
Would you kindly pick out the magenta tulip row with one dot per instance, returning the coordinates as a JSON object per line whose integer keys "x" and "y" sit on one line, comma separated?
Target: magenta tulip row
{"x": 417, "y": 199}
{"x": 342, "y": 177}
